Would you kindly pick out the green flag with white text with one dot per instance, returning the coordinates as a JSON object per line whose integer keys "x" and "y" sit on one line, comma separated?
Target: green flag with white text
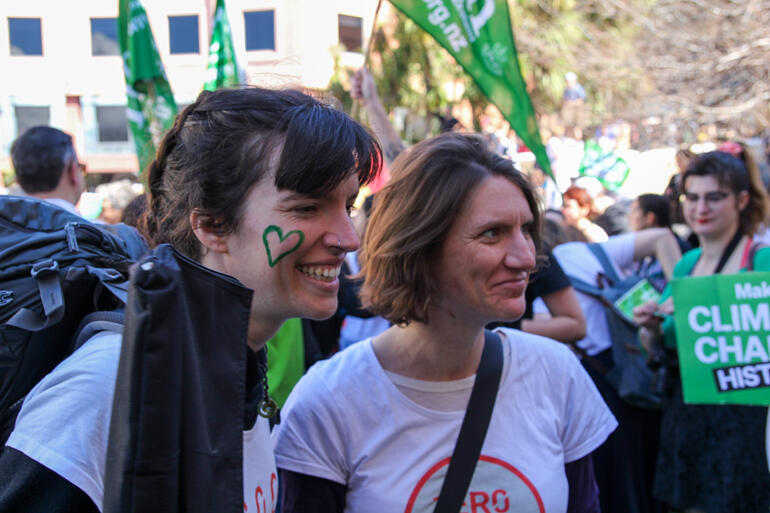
{"x": 151, "y": 108}
{"x": 223, "y": 69}
{"x": 480, "y": 37}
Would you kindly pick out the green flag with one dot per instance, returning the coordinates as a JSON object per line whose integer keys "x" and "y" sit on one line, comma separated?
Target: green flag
{"x": 480, "y": 37}
{"x": 151, "y": 107}
{"x": 222, "y": 70}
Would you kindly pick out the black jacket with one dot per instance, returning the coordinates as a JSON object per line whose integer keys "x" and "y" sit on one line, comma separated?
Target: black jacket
{"x": 182, "y": 389}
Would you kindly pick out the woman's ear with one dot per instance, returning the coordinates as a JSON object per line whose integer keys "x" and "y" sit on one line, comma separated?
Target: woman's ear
{"x": 742, "y": 199}
{"x": 210, "y": 236}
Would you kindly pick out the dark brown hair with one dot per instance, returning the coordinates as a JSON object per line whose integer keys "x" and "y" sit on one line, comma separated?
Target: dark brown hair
{"x": 430, "y": 183}
{"x": 738, "y": 175}
{"x": 226, "y": 141}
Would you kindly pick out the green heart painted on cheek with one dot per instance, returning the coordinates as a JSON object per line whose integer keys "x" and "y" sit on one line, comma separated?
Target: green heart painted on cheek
{"x": 281, "y": 239}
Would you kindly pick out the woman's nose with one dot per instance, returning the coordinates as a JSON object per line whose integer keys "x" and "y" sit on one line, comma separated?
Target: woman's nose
{"x": 343, "y": 236}
{"x": 521, "y": 253}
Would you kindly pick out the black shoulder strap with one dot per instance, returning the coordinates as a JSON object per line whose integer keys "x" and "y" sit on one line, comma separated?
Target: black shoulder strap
{"x": 474, "y": 428}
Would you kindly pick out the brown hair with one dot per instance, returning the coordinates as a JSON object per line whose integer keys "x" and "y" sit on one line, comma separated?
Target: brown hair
{"x": 430, "y": 183}
{"x": 737, "y": 174}
{"x": 228, "y": 140}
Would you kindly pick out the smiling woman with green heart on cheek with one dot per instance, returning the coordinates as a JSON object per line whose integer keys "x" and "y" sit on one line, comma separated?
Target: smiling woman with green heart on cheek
{"x": 249, "y": 208}
{"x": 293, "y": 245}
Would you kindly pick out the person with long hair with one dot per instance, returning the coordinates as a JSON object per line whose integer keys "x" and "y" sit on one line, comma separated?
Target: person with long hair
{"x": 255, "y": 188}
{"x": 709, "y": 458}
{"x": 449, "y": 248}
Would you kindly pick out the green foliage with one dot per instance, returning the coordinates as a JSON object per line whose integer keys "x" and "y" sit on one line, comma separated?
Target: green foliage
{"x": 8, "y": 177}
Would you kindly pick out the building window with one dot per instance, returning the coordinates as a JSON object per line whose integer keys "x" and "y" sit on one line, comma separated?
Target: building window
{"x": 113, "y": 124}
{"x": 260, "y": 30}
{"x": 25, "y": 36}
{"x": 104, "y": 36}
{"x": 27, "y": 117}
{"x": 350, "y": 29}
{"x": 183, "y": 34}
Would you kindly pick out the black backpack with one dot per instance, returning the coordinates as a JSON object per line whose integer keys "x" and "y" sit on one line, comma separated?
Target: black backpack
{"x": 60, "y": 276}
{"x": 634, "y": 381}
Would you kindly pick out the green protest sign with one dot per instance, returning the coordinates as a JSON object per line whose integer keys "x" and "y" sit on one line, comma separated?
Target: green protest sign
{"x": 723, "y": 338}
{"x": 480, "y": 38}
{"x": 603, "y": 165}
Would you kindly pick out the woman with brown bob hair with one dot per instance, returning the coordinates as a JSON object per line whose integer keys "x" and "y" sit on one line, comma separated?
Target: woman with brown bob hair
{"x": 449, "y": 248}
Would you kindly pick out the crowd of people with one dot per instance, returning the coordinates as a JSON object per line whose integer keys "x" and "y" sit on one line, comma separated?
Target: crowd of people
{"x": 372, "y": 332}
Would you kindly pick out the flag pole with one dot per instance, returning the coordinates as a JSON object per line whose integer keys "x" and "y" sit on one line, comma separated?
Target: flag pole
{"x": 371, "y": 34}
{"x": 354, "y": 109}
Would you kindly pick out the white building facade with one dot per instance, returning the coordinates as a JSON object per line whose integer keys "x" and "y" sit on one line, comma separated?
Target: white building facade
{"x": 61, "y": 64}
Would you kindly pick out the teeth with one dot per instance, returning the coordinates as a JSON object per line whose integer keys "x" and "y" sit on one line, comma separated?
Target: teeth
{"x": 320, "y": 273}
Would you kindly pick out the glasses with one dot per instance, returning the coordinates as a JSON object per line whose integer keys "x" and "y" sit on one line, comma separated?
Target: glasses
{"x": 711, "y": 198}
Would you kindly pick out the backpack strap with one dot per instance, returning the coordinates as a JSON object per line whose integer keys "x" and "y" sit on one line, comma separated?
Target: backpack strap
{"x": 609, "y": 271}
{"x": 46, "y": 275}
{"x": 604, "y": 260}
{"x": 585, "y": 287}
{"x": 95, "y": 322}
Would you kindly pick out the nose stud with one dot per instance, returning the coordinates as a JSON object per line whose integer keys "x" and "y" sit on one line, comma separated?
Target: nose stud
{"x": 339, "y": 243}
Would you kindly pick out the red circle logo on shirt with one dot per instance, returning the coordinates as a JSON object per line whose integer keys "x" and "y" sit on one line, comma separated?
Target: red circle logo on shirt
{"x": 495, "y": 488}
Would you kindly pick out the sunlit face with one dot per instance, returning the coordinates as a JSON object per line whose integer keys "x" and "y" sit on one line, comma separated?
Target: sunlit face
{"x": 637, "y": 219}
{"x": 711, "y": 210}
{"x": 485, "y": 261}
{"x": 573, "y": 212}
{"x": 289, "y": 248}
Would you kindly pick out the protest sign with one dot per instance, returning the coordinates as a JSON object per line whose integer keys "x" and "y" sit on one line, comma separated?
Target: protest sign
{"x": 723, "y": 338}
{"x": 604, "y": 165}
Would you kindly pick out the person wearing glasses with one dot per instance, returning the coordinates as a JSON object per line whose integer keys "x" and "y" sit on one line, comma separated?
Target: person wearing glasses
{"x": 711, "y": 457}
{"x": 47, "y": 167}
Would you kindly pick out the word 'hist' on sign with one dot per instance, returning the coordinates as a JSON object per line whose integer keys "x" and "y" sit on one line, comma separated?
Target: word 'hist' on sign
{"x": 742, "y": 377}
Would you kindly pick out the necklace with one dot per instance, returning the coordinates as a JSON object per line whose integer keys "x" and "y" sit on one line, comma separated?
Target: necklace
{"x": 267, "y": 406}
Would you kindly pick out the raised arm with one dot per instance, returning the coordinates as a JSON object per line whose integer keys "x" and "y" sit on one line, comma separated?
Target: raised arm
{"x": 660, "y": 243}
{"x": 364, "y": 90}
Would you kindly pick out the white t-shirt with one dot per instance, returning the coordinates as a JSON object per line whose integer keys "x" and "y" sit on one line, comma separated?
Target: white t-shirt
{"x": 64, "y": 424}
{"x": 347, "y": 422}
{"x": 577, "y": 260}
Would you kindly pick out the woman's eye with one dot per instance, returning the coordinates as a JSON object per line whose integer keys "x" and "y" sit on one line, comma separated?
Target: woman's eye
{"x": 491, "y": 233}
{"x": 528, "y": 229}
{"x": 306, "y": 209}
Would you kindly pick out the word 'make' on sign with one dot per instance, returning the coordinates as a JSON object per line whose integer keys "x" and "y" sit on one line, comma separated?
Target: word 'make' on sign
{"x": 723, "y": 337}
